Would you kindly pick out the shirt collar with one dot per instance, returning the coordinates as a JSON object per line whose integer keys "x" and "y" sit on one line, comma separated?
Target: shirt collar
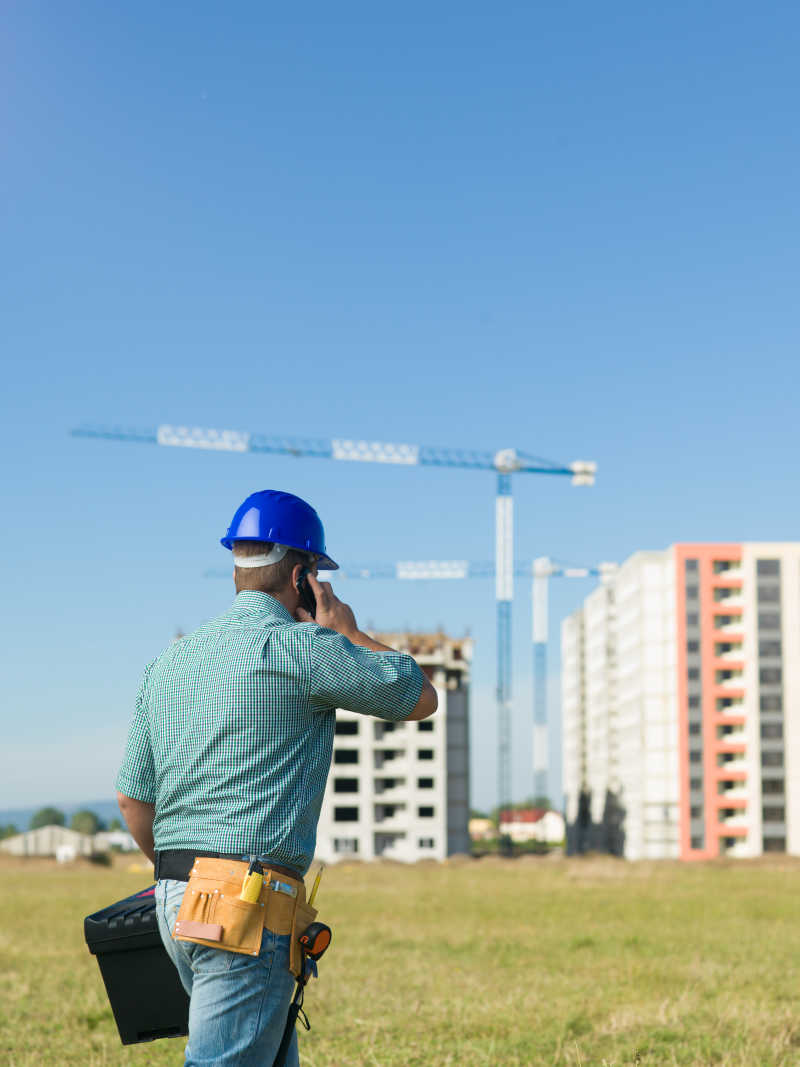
{"x": 252, "y": 602}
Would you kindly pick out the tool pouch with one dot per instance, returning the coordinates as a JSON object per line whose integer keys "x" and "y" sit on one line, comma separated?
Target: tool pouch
{"x": 211, "y": 912}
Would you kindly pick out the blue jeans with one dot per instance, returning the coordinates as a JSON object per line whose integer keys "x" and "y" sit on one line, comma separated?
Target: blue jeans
{"x": 238, "y": 1004}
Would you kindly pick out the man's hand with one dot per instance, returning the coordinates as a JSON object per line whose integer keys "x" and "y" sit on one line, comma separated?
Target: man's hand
{"x": 332, "y": 612}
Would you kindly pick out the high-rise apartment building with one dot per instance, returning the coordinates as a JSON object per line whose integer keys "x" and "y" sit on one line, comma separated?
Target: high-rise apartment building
{"x": 401, "y": 790}
{"x": 681, "y": 705}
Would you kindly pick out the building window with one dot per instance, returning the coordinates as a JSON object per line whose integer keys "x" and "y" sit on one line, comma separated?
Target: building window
{"x": 426, "y": 842}
{"x": 692, "y": 592}
{"x": 694, "y": 727}
{"x": 691, "y": 565}
{"x": 424, "y": 783}
{"x": 770, "y": 675}
{"x": 771, "y": 759}
{"x": 382, "y": 784}
{"x": 694, "y": 702}
{"x": 774, "y": 844}
{"x": 345, "y": 814}
{"x": 692, "y": 618}
{"x": 768, "y": 568}
{"x": 697, "y": 842}
{"x": 345, "y": 755}
{"x": 769, "y": 648}
{"x": 425, "y": 812}
{"x": 769, "y": 620}
{"x": 424, "y": 753}
{"x": 771, "y": 702}
{"x": 346, "y": 726}
{"x": 426, "y": 724}
{"x": 696, "y": 812}
{"x": 769, "y": 594}
{"x": 774, "y": 814}
{"x": 693, "y": 674}
{"x": 695, "y": 757}
{"x": 771, "y": 731}
{"x": 345, "y": 785}
{"x": 692, "y": 646}
{"x": 345, "y": 846}
{"x": 772, "y": 786}
{"x": 695, "y": 784}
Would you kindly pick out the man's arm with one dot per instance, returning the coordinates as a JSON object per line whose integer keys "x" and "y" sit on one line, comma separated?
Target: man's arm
{"x": 336, "y": 615}
{"x": 139, "y": 817}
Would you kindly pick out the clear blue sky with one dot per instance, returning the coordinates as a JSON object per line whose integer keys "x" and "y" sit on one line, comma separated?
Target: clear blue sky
{"x": 570, "y": 229}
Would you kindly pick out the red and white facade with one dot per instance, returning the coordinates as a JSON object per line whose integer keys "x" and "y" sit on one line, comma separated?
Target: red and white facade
{"x": 681, "y": 706}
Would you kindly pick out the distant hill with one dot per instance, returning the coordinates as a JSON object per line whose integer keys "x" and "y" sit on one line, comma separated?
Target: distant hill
{"x": 21, "y": 817}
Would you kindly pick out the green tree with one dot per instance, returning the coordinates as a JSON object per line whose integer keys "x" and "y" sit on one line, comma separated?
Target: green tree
{"x": 48, "y": 817}
{"x": 9, "y": 830}
{"x": 116, "y": 824}
{"x": 85, "y": 822}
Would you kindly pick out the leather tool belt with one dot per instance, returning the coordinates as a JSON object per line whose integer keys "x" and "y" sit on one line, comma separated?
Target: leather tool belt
{"x": 177, "y": 863}
{"x": 213, "y": 914}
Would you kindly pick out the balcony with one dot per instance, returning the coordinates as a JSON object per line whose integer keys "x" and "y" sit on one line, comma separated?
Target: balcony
{"x": 731, "y": 763}
{"x": 730, "y": 746}
{"x": 728, "y": 596}
{"x": 729, "y": 651}
{"x": 729, "y": 678}
{"x": 727, "y": 568}
{"x": 734, "y": 798}
{"x": 731, "y": 736}
{"x": 731, "y": 774}
{"x": 727, "y": 580}
{"x": 733, "y": 819}
{"x": 393, "y": 762}
{"x": 729, "y": 623}
{"x": 738, "y": 849}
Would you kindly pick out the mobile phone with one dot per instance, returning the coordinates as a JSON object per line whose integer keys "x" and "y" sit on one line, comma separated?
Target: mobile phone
{"x": 307, "y": 598}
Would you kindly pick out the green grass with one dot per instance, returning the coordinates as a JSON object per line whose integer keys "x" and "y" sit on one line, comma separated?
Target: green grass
{"x": 491, "y": 962}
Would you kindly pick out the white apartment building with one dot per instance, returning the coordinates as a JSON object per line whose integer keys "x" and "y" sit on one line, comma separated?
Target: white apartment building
{"x": 401, "y": 790}
{"x": 681, "y": 705}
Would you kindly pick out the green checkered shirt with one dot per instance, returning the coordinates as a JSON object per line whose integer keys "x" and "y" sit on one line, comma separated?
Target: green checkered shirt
{"x": 233, "y": 730}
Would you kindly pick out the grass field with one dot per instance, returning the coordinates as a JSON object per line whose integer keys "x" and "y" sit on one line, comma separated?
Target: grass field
{"x": 491, "y": 962}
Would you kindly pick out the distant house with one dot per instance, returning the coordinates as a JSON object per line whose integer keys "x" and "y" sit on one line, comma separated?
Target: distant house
{"x": 108, "y": 839}
{"x": 482, "y": 829}
{"x": 533, "y": 824}
{"x": 55, "y": 841}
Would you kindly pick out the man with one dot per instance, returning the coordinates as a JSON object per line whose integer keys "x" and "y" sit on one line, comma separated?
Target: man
{"x": 229, "y": 751}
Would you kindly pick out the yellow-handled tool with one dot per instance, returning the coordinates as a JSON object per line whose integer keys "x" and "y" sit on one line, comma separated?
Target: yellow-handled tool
{"x": 253, "y": 881}
{"x": 315, "y": 887}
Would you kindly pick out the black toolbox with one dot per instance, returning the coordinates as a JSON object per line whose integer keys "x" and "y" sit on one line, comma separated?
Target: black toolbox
{"x": 143, "y": 986}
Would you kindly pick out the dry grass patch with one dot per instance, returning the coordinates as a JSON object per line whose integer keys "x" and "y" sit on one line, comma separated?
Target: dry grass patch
{"x": 493, "y": 963}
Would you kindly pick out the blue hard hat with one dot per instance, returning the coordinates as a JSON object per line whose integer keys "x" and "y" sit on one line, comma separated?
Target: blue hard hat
{"x": 282, "y": 518}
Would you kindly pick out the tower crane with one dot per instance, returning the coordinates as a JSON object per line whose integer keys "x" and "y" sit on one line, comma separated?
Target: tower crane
{"x": 503, "y": 463}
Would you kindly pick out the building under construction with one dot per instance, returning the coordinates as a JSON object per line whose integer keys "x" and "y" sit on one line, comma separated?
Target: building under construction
{"x": 400, "y": 790}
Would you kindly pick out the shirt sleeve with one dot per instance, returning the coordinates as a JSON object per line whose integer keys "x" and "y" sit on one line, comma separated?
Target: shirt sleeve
{"x": 386, "y": 685}
{"x": 137, "y": 776}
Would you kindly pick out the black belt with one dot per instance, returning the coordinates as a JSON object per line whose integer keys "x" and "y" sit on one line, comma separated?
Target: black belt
{"x": 177, "y": 863}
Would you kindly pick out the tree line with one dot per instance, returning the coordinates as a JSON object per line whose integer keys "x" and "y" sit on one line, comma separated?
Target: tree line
{"x": 84, "y": 821}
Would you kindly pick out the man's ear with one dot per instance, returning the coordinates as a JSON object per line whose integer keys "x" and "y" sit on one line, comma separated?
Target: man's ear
{"x": 296, "y": 569}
